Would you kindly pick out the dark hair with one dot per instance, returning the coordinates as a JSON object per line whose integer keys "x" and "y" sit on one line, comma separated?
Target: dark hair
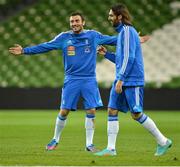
{"x": 78, "y": 14}
{"x": 121, "y": 9}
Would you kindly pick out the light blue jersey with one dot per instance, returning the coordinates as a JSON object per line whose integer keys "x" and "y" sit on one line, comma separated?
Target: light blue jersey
{"x": 79, "y": 51}
{"x": 79, "y": 56}
{"x": 128, "y": 57}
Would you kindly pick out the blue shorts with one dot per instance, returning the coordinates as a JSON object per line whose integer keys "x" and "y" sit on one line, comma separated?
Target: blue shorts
{"x": 131, "y": 99}
{"x": 73, "y": 89}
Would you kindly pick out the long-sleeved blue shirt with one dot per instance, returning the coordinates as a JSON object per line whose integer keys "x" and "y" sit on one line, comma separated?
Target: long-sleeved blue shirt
{"x": 128, "y": 58}
{"x": 79, "y": 51}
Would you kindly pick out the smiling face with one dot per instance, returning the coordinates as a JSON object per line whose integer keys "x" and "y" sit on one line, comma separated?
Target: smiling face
{"x": 76, "y": 24}
{"x": 115, "y": 20}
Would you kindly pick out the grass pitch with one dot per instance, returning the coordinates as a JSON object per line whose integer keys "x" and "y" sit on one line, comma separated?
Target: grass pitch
{"x": 24, "y": 135}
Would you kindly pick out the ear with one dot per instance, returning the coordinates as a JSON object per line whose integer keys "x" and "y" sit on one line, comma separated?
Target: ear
{"x": 84, "y": 23}
{"x": 120, "y": 17}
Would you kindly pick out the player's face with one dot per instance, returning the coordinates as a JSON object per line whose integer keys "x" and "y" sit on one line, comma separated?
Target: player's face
{"x": 115, "y": 20}
{"x": 76, "y": 24}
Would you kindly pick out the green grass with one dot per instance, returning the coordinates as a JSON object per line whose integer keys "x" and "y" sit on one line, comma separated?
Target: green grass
{"x": 24, "y": 134}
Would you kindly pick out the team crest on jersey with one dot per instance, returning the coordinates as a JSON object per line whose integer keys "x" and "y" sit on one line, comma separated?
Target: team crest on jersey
{"x": 87, "y": 49}
{"x": 71, "y": 51}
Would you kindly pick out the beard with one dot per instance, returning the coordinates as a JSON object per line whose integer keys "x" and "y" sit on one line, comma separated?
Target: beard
{"x": 115, "y": 23}
{"x": 76, "y": 29}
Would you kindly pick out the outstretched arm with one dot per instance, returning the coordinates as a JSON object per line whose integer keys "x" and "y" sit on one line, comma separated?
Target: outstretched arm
{"x": 56, "y": 43}
{"x": 41, "y": 48}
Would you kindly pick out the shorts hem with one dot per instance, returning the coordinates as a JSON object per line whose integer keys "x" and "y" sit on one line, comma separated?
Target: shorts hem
{"x": 120, "y": 110}
{"x": 96, "y": 107}
{"x": 66, "y": 108}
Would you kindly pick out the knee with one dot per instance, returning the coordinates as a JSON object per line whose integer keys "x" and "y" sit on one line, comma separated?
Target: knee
{"x": 112, "y": 111}
{"x": 140, "y": 117}
{"x": 91, "y": 111}
{"x": 64, "y": 112}
{"x": 136, "y": 116}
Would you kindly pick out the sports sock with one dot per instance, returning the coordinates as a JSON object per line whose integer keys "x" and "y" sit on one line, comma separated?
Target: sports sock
{"x": 149, "y": 124}
{"x": 60, "y": 123}
{"x": 89, "y": 125}
{"x": 112, "y": 130}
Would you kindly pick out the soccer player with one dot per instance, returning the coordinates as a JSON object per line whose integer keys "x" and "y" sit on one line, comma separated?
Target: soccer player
{"x": 128, "y": 87}
{"x": 79, "y": 56}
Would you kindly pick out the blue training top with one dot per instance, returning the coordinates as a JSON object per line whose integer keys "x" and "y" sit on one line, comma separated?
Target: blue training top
{"x": 128, "y": 57}
{"x": 79, "y": 51}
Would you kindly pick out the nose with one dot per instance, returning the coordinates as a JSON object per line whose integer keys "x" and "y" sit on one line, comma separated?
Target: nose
{"x": 73, "y": 24}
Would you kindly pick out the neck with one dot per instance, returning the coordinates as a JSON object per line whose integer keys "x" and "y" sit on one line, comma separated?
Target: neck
{"x": 118, "y": 27}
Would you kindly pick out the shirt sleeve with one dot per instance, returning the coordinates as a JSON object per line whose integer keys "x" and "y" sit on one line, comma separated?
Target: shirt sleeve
{"x": 110, "y": 56}
{"x": 105, "y": 39}
{"x": 126, "y": 46}
{"x": 54, "y": 44}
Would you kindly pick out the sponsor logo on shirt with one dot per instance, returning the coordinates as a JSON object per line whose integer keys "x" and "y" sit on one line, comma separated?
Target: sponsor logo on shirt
{"x": 71, "y": 51}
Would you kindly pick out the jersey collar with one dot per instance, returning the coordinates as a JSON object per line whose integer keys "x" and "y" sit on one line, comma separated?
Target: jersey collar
{"x": 119, "y": 27}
